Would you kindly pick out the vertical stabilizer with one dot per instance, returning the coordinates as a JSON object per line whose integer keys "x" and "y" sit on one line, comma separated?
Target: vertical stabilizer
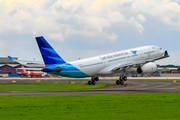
{"x": 11, "y": 58}
{"x": 49, "y": 55}
{"x": 23, "y": 70}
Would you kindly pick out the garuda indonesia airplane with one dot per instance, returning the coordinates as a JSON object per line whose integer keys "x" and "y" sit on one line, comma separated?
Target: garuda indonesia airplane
{"x": 141, "y": 58}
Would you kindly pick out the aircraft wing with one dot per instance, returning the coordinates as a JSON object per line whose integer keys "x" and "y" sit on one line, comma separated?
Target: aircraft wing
{"x": 164, "y": 56}
{"x": 125, "y": 65}
{"x": 24, "y": 62}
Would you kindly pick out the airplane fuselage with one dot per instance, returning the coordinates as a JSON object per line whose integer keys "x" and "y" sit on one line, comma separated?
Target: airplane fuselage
{"x": 107, "y": 64}
{"x": 32, "y": 73}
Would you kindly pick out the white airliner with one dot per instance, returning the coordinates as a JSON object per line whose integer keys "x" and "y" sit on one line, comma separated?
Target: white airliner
{"x": 141, "y": 58}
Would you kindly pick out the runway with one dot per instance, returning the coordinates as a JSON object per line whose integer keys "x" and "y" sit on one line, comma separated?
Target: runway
{"x": 110, "y": 88}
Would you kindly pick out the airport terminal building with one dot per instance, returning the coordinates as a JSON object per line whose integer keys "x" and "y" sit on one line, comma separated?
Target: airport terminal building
{"x": 10, "y": 67}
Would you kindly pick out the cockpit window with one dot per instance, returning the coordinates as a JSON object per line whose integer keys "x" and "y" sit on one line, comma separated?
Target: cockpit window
{"x": 160, "y": 48}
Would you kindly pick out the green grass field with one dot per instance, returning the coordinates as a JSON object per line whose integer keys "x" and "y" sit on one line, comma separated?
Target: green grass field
{"x": 140, "y": 106}
{"x": 46, "y": 86}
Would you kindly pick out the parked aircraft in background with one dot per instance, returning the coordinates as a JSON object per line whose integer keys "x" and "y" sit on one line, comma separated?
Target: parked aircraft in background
{"x": 36, "y": 71}
{"x": 142, "y": 58}
{"x": 32, "y": 73}
{"x": 24, "y": 62}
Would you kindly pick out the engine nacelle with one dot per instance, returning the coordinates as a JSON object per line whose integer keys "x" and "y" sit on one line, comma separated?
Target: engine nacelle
{"x": 147, "y": 68}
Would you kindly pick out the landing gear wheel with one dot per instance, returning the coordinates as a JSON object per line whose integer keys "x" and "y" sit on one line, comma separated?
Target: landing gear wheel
{"x": 122, "y": 82}
{"x": 89, "y": 82}
{"x": 93, "y": 82}
{"x": 117, "y": 82}
{"x": 96, "y": 79}
{"x": 124, "y": 78}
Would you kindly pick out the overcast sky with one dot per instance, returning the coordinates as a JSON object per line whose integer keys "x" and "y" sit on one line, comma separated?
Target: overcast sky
{"x": 86, "y": 28}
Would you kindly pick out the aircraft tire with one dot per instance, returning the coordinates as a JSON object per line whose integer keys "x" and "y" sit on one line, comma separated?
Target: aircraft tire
{"x": 122, "y": 82}
{"x": 97, "y": 78}
{"x": 117, "y": 82}
{"x": 93, "y": 82}
{"x": 89, "y": 82}
{"x": 124, "y": 78}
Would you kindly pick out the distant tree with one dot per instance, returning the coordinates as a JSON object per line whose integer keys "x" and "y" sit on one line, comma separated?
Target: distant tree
{"x": 178, "y": 69}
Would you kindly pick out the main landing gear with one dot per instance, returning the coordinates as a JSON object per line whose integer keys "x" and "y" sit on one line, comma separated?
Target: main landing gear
{"x": 93, "y": 81}
{"x": 121, "y": 80}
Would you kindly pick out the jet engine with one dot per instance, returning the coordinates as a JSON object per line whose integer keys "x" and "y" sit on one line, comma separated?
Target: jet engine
{"x": 147, "y": 68}
{"x": 57, "y": 69}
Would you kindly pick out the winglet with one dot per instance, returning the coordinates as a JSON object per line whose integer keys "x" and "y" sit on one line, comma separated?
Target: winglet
{"x": 166, "y": 54}
{"x": 11, "y": 58}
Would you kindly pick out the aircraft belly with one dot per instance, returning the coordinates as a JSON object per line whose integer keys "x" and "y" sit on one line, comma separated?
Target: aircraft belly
{"x": 92, "y": 70}
{"x": 89, "y": 68}
{"x": 72, "y": 74}
{"x": 104, "y": 71}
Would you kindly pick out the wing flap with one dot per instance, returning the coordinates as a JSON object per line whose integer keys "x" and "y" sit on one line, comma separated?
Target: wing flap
{"x": 137, "y": 63}
{"x": 128, "y": 65}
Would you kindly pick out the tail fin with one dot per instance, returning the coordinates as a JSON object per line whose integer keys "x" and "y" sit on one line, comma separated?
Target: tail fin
{"x": 23, "y": 70}
{"x": 49, "y": 55}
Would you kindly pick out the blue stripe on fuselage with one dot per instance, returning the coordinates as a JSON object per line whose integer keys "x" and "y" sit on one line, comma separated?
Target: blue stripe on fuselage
{"x": 69, "y": 70}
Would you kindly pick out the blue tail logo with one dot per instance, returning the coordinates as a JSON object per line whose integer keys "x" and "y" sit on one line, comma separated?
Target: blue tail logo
{"x": 49, "y": 55}
{"x": 134, "y": 52}
{"x": 11, "y": 58}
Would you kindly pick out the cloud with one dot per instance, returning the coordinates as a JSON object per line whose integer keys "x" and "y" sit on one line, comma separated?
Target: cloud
{"x": 63, "y": 18}
{"x": 98, "y": 23}
{"x": 56, "y": 36}
{"x": 112, "y": 37}
{"x": 141, "y": 18}
{"x": 164, "y": 11}
{"x": 134, "y": 22}
{"x": 116, "y": 17}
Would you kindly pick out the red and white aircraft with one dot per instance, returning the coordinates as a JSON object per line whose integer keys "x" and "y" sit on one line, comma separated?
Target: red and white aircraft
{"x": 32, "y": 73}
